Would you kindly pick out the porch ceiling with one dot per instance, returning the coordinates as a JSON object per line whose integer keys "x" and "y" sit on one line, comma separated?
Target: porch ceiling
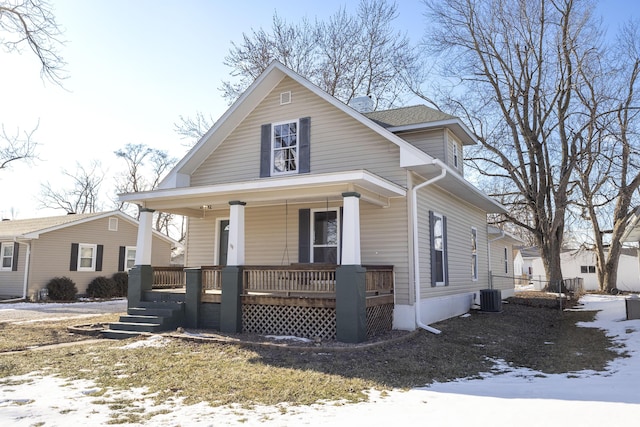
{"x": 191, "y": 201}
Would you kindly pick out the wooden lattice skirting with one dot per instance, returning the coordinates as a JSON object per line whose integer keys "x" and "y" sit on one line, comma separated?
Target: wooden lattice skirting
{"x": 308, "y": 322}
{"x": 379, "y": 319}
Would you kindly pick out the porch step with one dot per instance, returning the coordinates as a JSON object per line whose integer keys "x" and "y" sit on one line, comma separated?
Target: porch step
{"x": 148, "y": 317}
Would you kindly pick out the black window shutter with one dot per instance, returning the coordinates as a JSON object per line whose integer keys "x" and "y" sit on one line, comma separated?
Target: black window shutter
{"x": 99, "y": 257}
{"x": 73, "y": 264}
{"x": 304, "y": 237}
{"x": 304, "y": 151}
{"x": 445, "y": 260}
{"x": 432, "y": 248}
{"x": 121, "y": 256}
{"x": 16, "y": 251}
{"x": 265, "y": 151}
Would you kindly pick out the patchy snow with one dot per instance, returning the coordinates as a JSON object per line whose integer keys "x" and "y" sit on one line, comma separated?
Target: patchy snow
{"x": 152, "y": 341}
{"x": 506, "y": 396}
{"x": 287, "y": 338}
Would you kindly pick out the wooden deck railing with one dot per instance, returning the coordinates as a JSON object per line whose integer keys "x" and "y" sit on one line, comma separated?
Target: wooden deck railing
{"x": 211, "y": 278}
{"x": 305, "y": 279}
{"x": 168, "y": 277}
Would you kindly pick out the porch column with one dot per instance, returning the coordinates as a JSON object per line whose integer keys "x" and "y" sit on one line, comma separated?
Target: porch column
{"x": 145, "y": 237}
{"x": 231, "y": 298}
{"x": 141, "y": 275}
{"x": 235, "y": 252}
{"x": 351, "y": 229}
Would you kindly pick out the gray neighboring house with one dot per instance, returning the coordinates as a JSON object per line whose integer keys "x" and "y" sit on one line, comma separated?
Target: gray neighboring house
{"x": 78, "y": 246}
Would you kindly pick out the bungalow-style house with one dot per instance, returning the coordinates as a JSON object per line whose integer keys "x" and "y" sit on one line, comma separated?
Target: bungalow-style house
{"x": 307, "y": 216}
{"x": 79, "y": 246}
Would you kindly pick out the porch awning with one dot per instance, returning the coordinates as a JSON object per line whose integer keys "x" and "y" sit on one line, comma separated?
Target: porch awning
{"x": 190, "y": 201}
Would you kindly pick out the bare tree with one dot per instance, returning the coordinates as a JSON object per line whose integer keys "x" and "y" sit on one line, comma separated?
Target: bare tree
{"x": 608, "y": 172}
{"x": 517, "y": 64}
{"x": 82, "y": 196}
{"x": 31, "y": 23}
{"x": 347, "y": 56}
{"x": 145, "y": 167}
{"x": 193, "y": 128}
{"x": 18, "y": 146}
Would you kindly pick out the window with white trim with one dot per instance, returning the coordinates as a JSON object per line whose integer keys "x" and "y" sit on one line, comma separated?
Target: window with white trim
{"x": 7, "y": 249}
{"x": 325, "y": 236}
{"x": 129, "y": 257}
{"x": 113, "y": 224}
{"x": 438, "y": 230}
{"x": 455, "y": 155}
{"x": 474, "y": 254}
{"x": 284, "y": 148}
{"x": 87, "y": 254}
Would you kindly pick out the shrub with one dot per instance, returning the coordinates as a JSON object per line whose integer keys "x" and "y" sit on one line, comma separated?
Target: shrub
{"x": 62, "y": 289}
{"x": 122, "y": 284}
{"x": 101, "y": 287}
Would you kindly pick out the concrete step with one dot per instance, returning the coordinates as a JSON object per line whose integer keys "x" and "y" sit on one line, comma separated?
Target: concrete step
{"x": 136, "y": 327}
{"x": 118, "y": 334}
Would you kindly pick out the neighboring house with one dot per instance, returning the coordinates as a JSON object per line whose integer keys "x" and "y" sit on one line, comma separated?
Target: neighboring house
{"x": 581, "y": 263}
{"x": 502, "y": 267}
{"x": 78, "y": 246}
{"x": 290, "y": 177}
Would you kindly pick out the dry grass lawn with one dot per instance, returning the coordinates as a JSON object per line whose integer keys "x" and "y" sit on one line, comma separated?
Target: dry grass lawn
{"x": 543, "y": 339}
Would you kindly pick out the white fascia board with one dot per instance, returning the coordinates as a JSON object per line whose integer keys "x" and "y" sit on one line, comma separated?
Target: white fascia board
{"x": 269, "y": 184}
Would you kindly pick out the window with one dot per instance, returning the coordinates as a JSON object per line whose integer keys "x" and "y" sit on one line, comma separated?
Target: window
{"x": 455, "y": 155}
{"x": 325, "y": 236}
{"x": 7, "y": 250}
{"x": 584, "y": 269}
{"x": 285, "y": 148}
{"x": 474, "y": 254}
{"x": 130, "y": 257}
{"x": 438, "y": 231}
{"x": 506, "y": 261}
{"x": 87, "y": 257}
{"x": 113, "y": 224}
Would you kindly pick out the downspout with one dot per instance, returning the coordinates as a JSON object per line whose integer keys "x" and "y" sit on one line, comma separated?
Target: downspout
{"x": 416, "y": 246}
{"x": 27, "y": 262}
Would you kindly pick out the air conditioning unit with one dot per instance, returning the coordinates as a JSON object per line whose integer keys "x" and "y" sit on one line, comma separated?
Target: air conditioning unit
{"x": 490, "y": 300}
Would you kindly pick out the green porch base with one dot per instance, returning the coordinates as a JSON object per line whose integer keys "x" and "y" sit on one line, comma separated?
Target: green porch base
{"x": 231, "y": 302}
{"x": 351, "y": 304}
{"x": 140, "y": 281}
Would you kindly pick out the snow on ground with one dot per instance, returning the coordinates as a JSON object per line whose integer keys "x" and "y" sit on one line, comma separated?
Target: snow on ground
{"x": 504, "y": 397}
{"x": 23, "y": 312}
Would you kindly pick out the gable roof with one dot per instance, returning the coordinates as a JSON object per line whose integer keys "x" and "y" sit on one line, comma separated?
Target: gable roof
{"x": 411, "y": 157}
{"x": 32, "y": 228}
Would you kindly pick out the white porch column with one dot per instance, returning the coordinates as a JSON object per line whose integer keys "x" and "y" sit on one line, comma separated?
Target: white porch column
{"x": 235, "y": 250}
{"x": 351, "y": 229}
{"x": 145, "y": 237}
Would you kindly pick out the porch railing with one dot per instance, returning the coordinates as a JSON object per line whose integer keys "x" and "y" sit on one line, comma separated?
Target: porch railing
{"x": 292, "y": 279}
{"x": 168, "y": 277}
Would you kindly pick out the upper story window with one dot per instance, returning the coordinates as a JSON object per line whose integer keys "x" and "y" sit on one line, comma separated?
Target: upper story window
{"x": 284, "y": 148}
{"x": 456, "y": 155}
{"x": 7, "y": 250}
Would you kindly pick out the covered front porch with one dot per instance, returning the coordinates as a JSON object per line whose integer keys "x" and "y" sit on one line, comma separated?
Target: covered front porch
{"x": 324, "y": 292}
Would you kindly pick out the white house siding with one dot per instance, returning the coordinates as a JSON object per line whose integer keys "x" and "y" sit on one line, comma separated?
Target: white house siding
{"x": 201, "y": 241}
{"x": 338, "y": 142}
{"x": 441, "y": 302}
{"x": 12, "y": 282}
{"x": 628, "y": 270}
{"x": 502, "y": 280}
{"x": 51, "y": 253}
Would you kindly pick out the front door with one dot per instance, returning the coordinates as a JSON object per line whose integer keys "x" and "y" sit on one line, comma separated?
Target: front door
{"x": 223, "y": 241}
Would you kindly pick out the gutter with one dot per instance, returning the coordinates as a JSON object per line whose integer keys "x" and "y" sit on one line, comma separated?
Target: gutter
{"x": 416, "y": 246}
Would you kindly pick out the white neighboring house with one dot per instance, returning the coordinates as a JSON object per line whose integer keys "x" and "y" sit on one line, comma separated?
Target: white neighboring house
{"x": 582, "y": 263}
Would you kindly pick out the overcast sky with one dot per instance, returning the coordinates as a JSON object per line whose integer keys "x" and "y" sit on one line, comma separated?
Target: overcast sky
{"x": 135, "y": 67}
